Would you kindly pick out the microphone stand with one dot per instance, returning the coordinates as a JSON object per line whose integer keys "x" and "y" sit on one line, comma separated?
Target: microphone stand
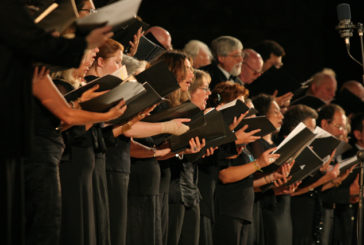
{"x": 360, "y": 33}
{"x": 360, "y": 29}
{"x": 360, "y": 156}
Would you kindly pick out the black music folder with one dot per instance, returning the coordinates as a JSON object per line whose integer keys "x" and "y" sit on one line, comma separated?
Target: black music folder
{"x": 215, "y": 127}
{"x": 260, "y": 122}
{"x": 185, "y": 110}
{"x": 160, "y": 78}
{"x": 148, "y": 50}
{"x": 218, "y": 141}
{"x": 107, "y": 82}
{"x": 292, "y": 146}
{"x": 348, "y": 163}
{"x": 58, "y": 16}
{"x": 233, "y": 109}
{"x": 324, "y": 146}
{"x": 125, "y": 33}
{"x": 305, "y": 164}
{"x": 153, "y": 80}
{"x": 148, "y": 99}
{"x": 115, "y": 14}
{"x": 128, "y": 91}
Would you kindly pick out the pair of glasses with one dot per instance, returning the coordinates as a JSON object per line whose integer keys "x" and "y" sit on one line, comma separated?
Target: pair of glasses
{"x": 206, "y": 89}
{"x": 338, "y": 126}
{"x": 90, "y": 11}
{"x": 251, "y": 68}
{"x": 236, "y": 56}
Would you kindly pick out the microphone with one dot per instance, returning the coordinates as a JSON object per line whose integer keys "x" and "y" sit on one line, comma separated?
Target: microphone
{"x": 360, "y": 155}
{"x": 345, "y": 26}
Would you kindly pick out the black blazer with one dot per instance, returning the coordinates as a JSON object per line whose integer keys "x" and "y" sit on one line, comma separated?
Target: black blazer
{"x": 217, "y": 76}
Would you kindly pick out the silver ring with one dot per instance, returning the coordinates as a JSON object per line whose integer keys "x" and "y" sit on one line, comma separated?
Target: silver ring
{"x": 271, "y": 159}
{"x": 195, "y": 148}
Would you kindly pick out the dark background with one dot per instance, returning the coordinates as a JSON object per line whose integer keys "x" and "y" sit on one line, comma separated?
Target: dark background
{"x": 306, "y": 29}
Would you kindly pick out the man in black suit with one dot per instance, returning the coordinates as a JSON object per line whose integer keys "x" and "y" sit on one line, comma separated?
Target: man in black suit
{"x": 227, "y": 52}
{"x": 338, "y": 211}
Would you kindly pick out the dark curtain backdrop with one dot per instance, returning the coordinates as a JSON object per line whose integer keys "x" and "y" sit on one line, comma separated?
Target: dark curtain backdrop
{"x": 305, "y": 28}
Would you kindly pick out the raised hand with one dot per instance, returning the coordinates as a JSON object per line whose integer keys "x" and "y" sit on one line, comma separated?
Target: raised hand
{"x": 195, "y": 145}
{"x": 135, "y": 43}
{"x": 91, "y": 93}
{"x": 267, "y": 158}
{"x": 245, "y": 138}
{"x": 209, "y": 152}
{"x": 116, "y": 111}
{"x": 283, "y": 100}
{"x": 237, "y": 120}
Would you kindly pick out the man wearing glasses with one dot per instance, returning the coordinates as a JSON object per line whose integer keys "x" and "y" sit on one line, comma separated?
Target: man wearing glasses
{"x": 252, "y": 66}
{"x": 228, "y": 59}
{"x": 337, "y": 209}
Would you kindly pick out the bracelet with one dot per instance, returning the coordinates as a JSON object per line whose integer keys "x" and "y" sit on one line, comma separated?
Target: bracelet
{"x": 257, "y": 167}
{"x": 179, "y": 156}
{"x": 154, "y": 151}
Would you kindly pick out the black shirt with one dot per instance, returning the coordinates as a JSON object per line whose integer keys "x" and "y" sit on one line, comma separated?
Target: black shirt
{"x": 235, "y": 199}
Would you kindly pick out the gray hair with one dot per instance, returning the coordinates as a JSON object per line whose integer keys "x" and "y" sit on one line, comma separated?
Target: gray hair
{"x": 133, "y": 65}
{"x": 194, "y": 46}
{"x": 224, "y": 45}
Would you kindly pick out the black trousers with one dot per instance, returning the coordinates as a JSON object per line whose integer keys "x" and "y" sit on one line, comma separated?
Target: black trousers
{"x": 230, "y": 231}
{"x": 43, "y": 192}
{"x": 117, "y": 184}
{"x": 12, "y": 211}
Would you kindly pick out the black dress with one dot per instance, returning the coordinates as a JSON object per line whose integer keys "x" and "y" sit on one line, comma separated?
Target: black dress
{"x": 100, "y": 135}
{"x": 76, "y": 168}
{"x": 207, "y": 175}
{"x": 184, "y": 209}
{"x": 42, "y": 187}
{"x": 233, "y": 205}
{"x": 117, "y": 173}
{"x": 144, "y": 225}
{"x": 275, "y": 210}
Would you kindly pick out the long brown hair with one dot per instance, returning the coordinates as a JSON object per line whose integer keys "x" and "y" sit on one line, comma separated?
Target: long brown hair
{"x": 176, "y": 64}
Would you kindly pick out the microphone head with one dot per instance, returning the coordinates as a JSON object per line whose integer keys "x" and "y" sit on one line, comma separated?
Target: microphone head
{"x": 343, "y": 11}
{"x": 360, "y": 155}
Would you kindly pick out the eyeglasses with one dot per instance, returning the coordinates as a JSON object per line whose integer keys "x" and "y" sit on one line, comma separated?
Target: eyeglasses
{"x": 338, "y": 126}
{"x": 236, "y": 56}
{"x": 251, "y": 68}
{"x": 90, "y": 11}
{"x": 206, "y": 89}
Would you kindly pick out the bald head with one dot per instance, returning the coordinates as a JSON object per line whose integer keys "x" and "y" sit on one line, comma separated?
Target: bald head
{"x": 162, "y": 36}
{"x": 252, "y": 66}
{"x": 355, "y": 88}
{"x": 323, "y": 86}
